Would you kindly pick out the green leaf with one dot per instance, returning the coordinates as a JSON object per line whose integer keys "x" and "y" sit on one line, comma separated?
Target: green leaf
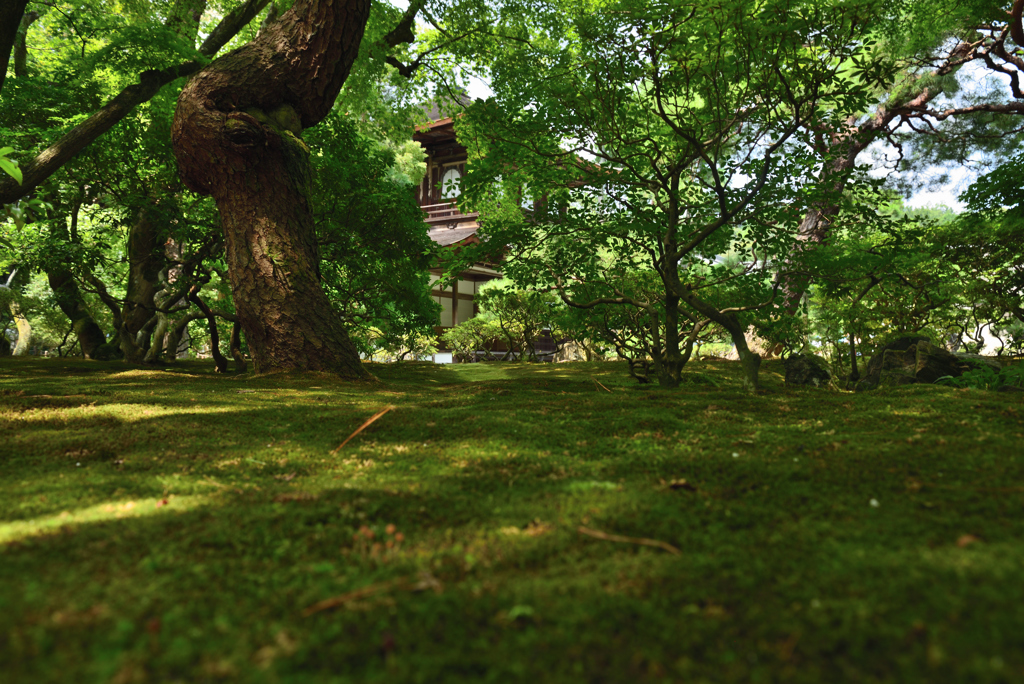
{"x": 11, "y": 168}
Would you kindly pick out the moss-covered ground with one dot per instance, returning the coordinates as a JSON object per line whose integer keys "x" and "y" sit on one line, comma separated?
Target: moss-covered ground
{"x": 175, "y": 525}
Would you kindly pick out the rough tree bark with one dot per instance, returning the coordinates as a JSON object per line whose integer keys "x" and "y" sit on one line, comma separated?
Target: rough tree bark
{"x": 236, "y": 136}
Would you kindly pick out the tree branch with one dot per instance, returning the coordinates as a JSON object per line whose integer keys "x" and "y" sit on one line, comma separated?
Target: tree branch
{"x": 50, "y": 160}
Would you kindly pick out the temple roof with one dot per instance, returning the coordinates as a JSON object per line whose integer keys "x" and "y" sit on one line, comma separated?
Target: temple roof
{"x": 463, "y": 233}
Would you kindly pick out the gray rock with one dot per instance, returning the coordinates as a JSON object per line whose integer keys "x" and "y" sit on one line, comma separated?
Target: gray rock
{"x": 894, "y": 358}
{"x": 909, "y": 360}
{"x": 891, "y": 378}
{"x": 807, "y": 369}
{"x": 934, "y": 362}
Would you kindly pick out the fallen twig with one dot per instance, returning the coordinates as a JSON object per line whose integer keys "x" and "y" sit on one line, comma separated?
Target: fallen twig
{"x": 342, "y": 599}
{"x": 423, "y": 581}
{"x": 369, "y": 421}
{"x": 600, "y": 385}
{"x": 598, "y": 534}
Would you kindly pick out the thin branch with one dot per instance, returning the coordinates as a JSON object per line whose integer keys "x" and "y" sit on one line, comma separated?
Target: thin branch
{"x": 50, "y": 160}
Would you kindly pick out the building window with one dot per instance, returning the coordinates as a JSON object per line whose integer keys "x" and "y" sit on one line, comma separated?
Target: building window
{"x": 450, "y": 184}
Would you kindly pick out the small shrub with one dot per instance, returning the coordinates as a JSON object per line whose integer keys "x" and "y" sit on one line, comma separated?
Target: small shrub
{"x": 987, "y": 378}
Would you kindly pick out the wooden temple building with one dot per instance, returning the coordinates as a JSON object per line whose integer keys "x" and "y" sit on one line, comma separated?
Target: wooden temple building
{"x": 448, "y": 226}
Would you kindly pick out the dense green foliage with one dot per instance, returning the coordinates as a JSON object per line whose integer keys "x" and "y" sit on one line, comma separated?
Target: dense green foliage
{"x": 623, "y": 127}
{"x": 374, "y": 249}
{"x": 651, "y": 143}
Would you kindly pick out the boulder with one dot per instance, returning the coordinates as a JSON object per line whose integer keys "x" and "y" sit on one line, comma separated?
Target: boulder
{"x": 910, "y": 360}
{"x": 892, "y": 358}
{"x": 892, "y": 378}
{"x": 807, "y": 369}
{"x": 935, "y": 362}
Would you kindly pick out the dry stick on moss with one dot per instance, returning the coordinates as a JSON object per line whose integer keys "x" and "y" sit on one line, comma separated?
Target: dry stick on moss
{"x": 341, "y": 600}
{"x": 600, "y": 385}
{"x": 425, "y": 581}
{"x": 362, "y": 427}
{"x": 598, "y": 534}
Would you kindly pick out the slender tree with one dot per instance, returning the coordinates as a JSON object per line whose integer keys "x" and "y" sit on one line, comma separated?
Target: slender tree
{"x": 653, "y": 141}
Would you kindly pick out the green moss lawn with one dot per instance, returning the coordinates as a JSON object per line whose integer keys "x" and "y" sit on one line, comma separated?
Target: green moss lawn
{"x": 175, "y": 525}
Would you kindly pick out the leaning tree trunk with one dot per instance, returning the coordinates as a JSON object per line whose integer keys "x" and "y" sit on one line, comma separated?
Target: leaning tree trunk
{"x": 24, "y": 330}
{"x": 846, "y": 144}
{"x": 236, "y": 136}
{"x": 72, "y": 303}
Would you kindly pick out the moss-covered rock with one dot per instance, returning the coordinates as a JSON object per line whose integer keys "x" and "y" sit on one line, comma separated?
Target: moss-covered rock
{"x": 890, "y": 358}
{"x": 908, "y": 360}
{"x": 807, "y": 369}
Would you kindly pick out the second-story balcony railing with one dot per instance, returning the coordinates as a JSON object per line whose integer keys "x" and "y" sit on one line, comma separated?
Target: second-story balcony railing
{"x": 446, "y": 212}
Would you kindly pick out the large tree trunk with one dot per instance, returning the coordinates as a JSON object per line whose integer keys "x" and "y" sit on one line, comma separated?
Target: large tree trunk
{"x": 11, "y": 12}
{"x": 236, "y": 136}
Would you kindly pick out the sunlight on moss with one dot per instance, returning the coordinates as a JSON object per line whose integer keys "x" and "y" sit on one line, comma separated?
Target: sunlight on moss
{"x": 113, "y": 510}
{"x": 128, "y": 413}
